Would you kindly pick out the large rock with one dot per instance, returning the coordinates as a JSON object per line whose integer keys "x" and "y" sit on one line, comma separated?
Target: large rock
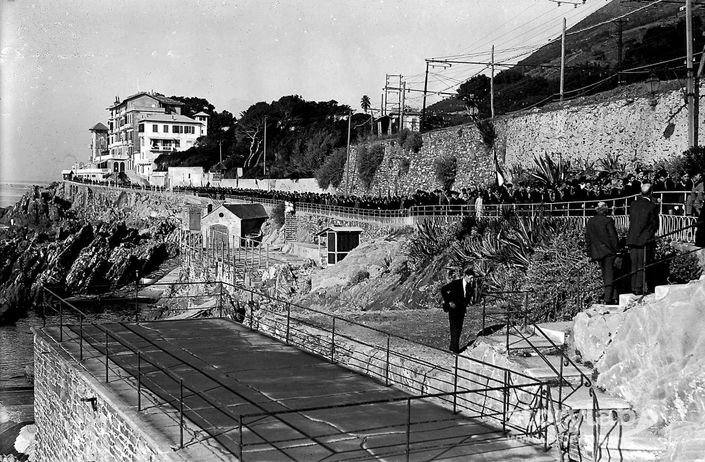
{"x": 657, "y": 363}
{"x": 594, "y": 329}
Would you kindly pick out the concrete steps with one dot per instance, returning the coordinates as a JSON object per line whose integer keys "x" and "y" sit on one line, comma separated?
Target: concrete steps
{"x": 535, "y": 366}
{"x": 622, "y": 446}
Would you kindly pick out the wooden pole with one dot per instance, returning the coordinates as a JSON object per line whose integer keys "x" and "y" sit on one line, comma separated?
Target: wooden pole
{"x": 563, "y": 59}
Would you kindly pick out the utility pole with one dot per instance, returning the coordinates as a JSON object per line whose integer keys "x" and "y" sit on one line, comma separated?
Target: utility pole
{"x": 690, "y": 85}
{"x": 492, "y": 85}
{"x": 425, "y": 89}
{"x": 347, "y": 156}
{"x": 620, "y": 22}
{"x": 264, "y": 163}
{"x": 563, "y": 59}
{"x": 401, "y": 106}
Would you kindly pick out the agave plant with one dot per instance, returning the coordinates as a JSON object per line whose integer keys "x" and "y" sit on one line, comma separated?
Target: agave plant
{"x": 549, "y": 172}
{"x": 611, "y": 163}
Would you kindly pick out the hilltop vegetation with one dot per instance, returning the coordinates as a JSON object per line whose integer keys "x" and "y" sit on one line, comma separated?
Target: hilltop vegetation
{"x": 653, "y": 35}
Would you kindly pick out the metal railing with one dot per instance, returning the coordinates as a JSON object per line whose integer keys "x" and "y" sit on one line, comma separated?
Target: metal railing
{"x": 498, "y": 393}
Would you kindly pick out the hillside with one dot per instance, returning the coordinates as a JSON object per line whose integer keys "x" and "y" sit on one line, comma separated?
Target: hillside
{"x": 653, "y": 42}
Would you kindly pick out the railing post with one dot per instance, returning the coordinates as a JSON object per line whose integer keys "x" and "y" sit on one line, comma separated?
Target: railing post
{"x": 408, "y": 428}
{"x": 239, "y": 445}
{"x": 386, "y": 364}
{"x": 455, "y": 386}
{"x": 139, "y": 381}
{"x": 332, "y": 343}
{"x": 505, "y": 401}
{"x": 484, "y": 313}
{"x": 137, "y": 288}
{"x": 220, "y": 301}
{"x": 288, "y": 320}
{"x": 560, "y": 387}
{"x": 107, "y": 356}
{"x": 61, "y": 321}
{"x": 80, "y": 341}
{"x": 181, "y": 413}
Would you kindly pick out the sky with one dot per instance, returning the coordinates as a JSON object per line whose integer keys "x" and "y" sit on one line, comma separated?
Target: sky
{"x": 62, "y": 62}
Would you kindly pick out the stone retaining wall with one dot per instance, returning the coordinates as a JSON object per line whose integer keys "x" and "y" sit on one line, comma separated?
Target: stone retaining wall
{"x": 68, "y": 429}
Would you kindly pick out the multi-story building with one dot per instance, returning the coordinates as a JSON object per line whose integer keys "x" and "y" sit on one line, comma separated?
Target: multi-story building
{"x": 145, "y": 125}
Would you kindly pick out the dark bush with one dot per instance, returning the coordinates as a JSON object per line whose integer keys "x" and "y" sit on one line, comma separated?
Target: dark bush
{"x": 404, "y": 165}
{"x": 332, "y": 169}
{"x": 694, "y": 160}
{"x": 410, "y": 141}
{"x": 277, "y": 216}
{"x": 368, "y": 160}
{"x": 360, "y": 276}
{"x": 445, "y": 168}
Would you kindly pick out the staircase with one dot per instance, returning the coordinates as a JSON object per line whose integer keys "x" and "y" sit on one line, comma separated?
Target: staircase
{"x": 290, "y": 227}
{"x": 585, "y": 414}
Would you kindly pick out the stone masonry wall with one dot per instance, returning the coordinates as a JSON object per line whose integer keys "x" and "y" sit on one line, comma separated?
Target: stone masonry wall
{"x": 628, "y": 121}
{"x": 68, "y": 429}
{"x": 475, "y": 164}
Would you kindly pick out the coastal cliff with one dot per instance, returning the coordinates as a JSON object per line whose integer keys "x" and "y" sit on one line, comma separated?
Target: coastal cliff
{"x": 76, "y": 240}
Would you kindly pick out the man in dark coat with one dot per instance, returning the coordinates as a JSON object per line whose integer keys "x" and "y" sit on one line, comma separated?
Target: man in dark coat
{"x": 457, "y": 295}
{"x": 601, "y": 240}
{"x": 643, "y": 225}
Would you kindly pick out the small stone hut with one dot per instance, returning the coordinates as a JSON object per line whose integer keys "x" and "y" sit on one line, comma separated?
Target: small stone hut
{"x": 339, "y": 241}
{"x": 227, "y": 224}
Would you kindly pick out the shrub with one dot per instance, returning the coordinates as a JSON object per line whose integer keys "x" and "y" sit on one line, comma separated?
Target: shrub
{"x": 487, "y": 132}
{"x": 368, "y": 160}
{"x": 410, "y": 141}
{"x": 278, "y": 214}
{"x": 431, "y": 239}
{"x": 445, "y": 168}
{"x": 404, "y": 165}
{"x": 360, "y": 276}
{"x": 694, "y": 160}
{"x": 563, "y": 279}
{"x": 332, "y": 169}
{"x": 677, "y": 267}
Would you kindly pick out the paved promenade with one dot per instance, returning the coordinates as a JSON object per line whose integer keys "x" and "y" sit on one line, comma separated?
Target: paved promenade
{"x": 294, "y": 405}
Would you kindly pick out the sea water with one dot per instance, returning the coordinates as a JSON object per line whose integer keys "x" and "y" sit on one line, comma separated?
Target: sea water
{"x": 12, "y": 191}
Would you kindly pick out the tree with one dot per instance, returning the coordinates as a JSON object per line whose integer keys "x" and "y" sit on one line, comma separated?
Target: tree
{"x": 365, "y": 103}
{"x": 476, "y": 93}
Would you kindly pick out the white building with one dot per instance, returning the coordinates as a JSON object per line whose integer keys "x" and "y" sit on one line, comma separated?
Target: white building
{"x": 147, "y": 124}
{"x": 159, "y": 134}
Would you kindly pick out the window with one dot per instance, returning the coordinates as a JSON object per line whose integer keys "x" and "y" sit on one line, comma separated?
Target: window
{"x": 177, "y": 129}
{"x": 140, "y": 128}
{"x": 155, "y": 128}
{"x": 166, "y": 129}
{"x": 177, "y": 144}
{"x": 141, "y": 141}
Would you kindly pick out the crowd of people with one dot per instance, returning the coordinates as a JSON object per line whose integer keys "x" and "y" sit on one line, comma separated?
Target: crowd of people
{"x": 678, "y": 196}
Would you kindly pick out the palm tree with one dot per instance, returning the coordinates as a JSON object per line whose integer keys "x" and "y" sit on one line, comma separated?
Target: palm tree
{"x": 365, "y": 103}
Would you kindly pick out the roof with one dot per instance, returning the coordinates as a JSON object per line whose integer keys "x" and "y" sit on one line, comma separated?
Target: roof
{"x": 201, "y": 114}
{"x": 161, "y": 117}
{"x": 99, "y": 127}
{"x": 245, "y": 211}
{"x": 161, "y": 98}
{"x": 219, "y": 167}
{"x": 340, "y": 229}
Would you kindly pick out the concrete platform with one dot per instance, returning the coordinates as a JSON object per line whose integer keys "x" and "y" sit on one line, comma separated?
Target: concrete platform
{"x": 293, "y": 405}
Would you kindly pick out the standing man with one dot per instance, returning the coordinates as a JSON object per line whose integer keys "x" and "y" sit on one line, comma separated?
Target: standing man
{"x": 457, "y": 295}
{"x": 643, "y": 225}
{"x": 601, "y": 241}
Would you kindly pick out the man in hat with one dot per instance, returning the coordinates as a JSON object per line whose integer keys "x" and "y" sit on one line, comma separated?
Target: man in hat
{"x": 601, "y": 241}
{"x": 457, "y": 295}
{"x": 643, "y": 225}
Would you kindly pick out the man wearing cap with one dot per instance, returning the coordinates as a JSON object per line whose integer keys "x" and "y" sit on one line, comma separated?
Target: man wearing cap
{"x": 643, "y": 225}
{"x": 457, "y": 295}
{"x": 601, "y": 241}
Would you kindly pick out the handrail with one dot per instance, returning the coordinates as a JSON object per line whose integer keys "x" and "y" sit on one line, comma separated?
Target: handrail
{"x": 503, "y": 386}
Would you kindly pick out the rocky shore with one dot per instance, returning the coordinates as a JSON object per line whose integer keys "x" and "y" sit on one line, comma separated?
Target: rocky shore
{"x": 49, "y": 241}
